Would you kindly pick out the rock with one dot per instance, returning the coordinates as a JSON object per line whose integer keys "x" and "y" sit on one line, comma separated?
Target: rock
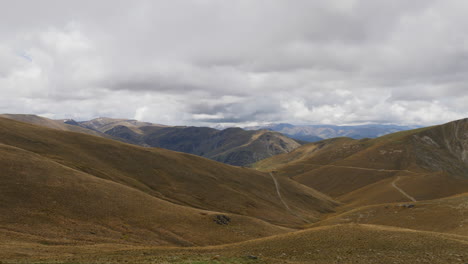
{"x": 222, "y": 219}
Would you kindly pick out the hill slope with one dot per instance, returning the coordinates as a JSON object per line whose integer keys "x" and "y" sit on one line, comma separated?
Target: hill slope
{"x": 77, "y": 198}
{"x": 446, "y": 215}
{"x": 45, "y": 202}
{"x": 332, "y": 244}
{"x": 55, "y": 124}
{"x": 429, "y": 163}
{"x": 233, "y": 146}
{"x": 56, "y": 175}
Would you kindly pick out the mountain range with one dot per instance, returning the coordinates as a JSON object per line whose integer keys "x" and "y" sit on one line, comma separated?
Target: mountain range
{"x": 233, "y": 146}
{"x": 313, "y": 133}
{"x": 74, "y": 194}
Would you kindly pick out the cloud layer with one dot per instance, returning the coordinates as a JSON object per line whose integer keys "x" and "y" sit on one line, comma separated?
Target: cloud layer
{"x": 203, "y": 62}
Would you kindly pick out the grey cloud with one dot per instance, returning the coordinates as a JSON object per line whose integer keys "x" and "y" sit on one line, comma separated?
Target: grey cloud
{"x": 205, "y": 61}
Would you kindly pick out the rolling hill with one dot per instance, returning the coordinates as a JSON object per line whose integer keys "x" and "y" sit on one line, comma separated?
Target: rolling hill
{"x": 351, "y": 243}
{"x": 55, "y": 204}
{"x": 429, "y": 163}
{"x": 70, "y": 197}
{"x": 445, "y": 215}
{"x": 67, "y": 187}
{"x": 233, "y": 146}
{"x": 63, "y": 125}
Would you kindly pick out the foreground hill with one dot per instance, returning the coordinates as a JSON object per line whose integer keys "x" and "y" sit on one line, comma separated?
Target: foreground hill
{"x": 426, "y": 163}
{"x": 332, "y": 244}
{"x": 46, "y": 202}
{"x": 313, "y": 133}
{"x": 233, "y": 146}
{"x": 64, "y": 184}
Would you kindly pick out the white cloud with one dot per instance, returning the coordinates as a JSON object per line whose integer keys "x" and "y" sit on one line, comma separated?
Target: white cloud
{"x": 202, "y": 62}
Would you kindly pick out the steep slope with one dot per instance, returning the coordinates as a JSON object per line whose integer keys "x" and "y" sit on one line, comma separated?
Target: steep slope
{"x": 175, "y": 177}
{"x": 364, "y": 171}
{"x": 233, "y": 146}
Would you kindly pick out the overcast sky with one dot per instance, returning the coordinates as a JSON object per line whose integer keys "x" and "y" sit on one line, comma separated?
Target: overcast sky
{"x": 242, "y": 62}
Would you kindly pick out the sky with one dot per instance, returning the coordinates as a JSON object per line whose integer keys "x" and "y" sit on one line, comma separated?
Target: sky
{"x": 236, "y": 63}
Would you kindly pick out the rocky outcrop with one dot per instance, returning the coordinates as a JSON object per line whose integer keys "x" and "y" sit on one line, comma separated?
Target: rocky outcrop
{"x": 444, "y": 148}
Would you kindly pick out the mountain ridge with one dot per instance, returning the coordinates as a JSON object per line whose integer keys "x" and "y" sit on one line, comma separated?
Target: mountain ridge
{"x": 347, "y": 169}
{"x": 313, "y": 133}
{"x": 233, "y": 146}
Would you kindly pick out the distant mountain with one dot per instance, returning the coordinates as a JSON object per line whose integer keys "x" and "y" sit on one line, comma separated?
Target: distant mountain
{"x": 233, "y": 146}
{"x": 314, "y": 133}
{"x": 103, "y": 124}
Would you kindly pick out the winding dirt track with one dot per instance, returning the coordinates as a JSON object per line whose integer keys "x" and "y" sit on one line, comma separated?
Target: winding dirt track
{"x": 401, "y": 191}
{"x": 384, "y": 170}
{"x": 283, "y": 201}
{"x": 368, "y": 169}
{"x": 279, "y": 194}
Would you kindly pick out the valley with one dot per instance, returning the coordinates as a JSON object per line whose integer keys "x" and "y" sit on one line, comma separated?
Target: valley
{"x": 233, "y": 132}
{"x": 72, "y": 196}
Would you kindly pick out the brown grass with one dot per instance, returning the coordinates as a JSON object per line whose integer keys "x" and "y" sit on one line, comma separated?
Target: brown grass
{"x": 333, "y": 244}
{"x": 431, "y": 161}
{"x": 62, "y": 184}
{"x": 73, "y": 198}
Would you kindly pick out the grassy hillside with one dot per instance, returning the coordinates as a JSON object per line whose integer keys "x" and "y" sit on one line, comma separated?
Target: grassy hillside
{"x": 334, "y": 244}
{"x": 446, "y": 215}
{"x": 127, "y": 181}
{"x": 47, "y": 203}
{"x": 429, "y": 162}
{"x": 74, "y": 198}
{"x": 55, "y": 124}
